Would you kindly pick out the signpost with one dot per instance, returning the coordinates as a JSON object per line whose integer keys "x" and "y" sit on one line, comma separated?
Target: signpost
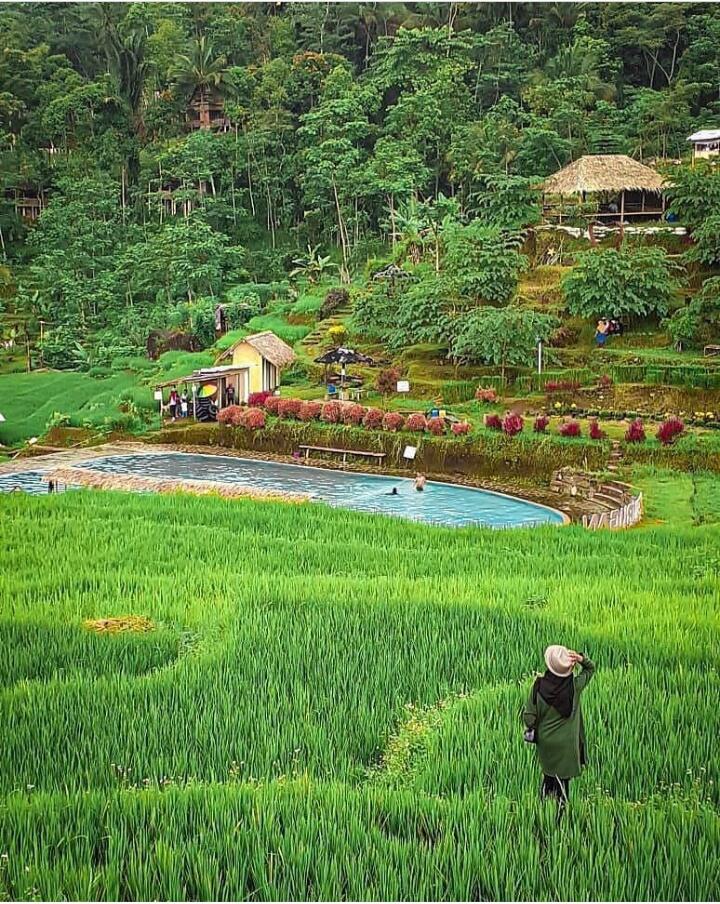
{"x": 403, "y": 386}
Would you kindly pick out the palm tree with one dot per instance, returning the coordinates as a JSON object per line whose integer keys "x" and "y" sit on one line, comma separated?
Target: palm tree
{"x": 202, "y": 72}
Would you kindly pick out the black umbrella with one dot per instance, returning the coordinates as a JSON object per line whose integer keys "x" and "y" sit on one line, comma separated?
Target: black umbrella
{"x": 344, "y": 356}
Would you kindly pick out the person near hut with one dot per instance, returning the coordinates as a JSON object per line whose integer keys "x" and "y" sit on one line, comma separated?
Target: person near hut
{"x": 230, "y": 395}
{"x": 173, "y": 403}
{"x": 553, "y": 720}
{"x": 184, "y": 405}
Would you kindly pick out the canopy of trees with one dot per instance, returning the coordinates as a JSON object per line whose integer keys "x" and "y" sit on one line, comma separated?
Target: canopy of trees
{"x": 343, "y": 129}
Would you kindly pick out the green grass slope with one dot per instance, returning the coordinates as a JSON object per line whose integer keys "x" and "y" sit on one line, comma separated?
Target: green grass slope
{"x": 329, "y": 706}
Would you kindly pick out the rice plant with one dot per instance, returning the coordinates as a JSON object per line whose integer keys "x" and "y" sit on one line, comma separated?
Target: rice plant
{"x": 327, "y": 704}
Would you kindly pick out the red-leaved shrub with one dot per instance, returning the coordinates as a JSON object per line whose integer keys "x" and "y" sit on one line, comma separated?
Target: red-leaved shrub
{"x": 353, "y": 414}
{"x": 541, "y": 423}
{"x": 272, "y": 404}
{"x": 416, "y": 423}
{"x": 253, "y": 419}
{"x": 461, "y": 428}
{"x": 373, "y": 418}
{"x": 331, "y": 412}
{"x": 635, "y": 433}
{"x": 289, "y": 408}
{"x": 512, "y": 424}
{"x": 393, "y": 421}
{"x": 258, "y": 399}
{"x": 493, "y": 422}
{"x": 436, "y": 426}
{"x": 595, "y": 431}
{"x": 231, "y": 415}
{"x": 310, "y": 411}
{"x": 605, "y": 381}
{"x": 570, "y": 428}
{"x": 669, "y": 430}
{"x": 486, "y": 394}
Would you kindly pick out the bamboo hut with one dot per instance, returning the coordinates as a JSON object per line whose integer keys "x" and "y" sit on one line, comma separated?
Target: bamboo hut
{"x": 610, "y": 187}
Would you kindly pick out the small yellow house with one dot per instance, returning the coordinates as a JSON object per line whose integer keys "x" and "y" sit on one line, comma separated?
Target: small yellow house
{"x": 252, "y": 364}
{"x": 259, "y": 359}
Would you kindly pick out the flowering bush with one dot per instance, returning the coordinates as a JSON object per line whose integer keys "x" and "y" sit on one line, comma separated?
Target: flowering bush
{"x": 331, "y": 412}
{"x": 416, "y": 423}
{"x": 486, "y": 394}
{"x": 231, "y": 415}
{"x": 493, "y": 422}
{"x": 289, "y": 408}
{"x": 258, "y": 399}
{"x": 353, "y": 414}
{"x": 436, "y": 425}
{"x": 559, "y": 385}
{"x": 387, "y": 380}
{"x": 669, "y": 430}
{"x": 310, "y": 411}
{"x": 272, "y": 404}
{"x": 635, "y": 433}
{"x": 570, "y": 428}
{"x": 541, "y": 423}
{"x": 393, "y": 421}
{"x": 253, "y": 419}
{"x": 595, "y": 431}
{"x": 512, "y": 424}
{"x": 373, "y": 418}
{"x": 462, "y": 428}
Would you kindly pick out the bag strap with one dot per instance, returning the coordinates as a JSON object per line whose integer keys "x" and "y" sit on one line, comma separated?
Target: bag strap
{"x": 536, "y": 687}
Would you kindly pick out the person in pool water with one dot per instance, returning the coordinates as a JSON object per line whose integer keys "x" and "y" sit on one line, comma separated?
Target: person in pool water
{"x": 420, "y": 481}
{"x": 553, "y": 719}
{"x": 393, "y": 492}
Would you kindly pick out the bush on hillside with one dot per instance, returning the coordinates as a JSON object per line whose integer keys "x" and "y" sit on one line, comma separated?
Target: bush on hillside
{"x": 331, "y": 412}
{"x": 252, "y": 419}
{"x": 310, "y": 411}
{"x": 512, "y": 424}
{"x": 289, "y": 408}
{"x": 570, "y": 428}
{"x": 635, "y": 433}
{"x": 258, "y": 399}
{"x": 436, "y": 426}
{"x": 373, "y": 418}
{"x": 669, "y": 430}
{"x": 232, "y": 415}
{"x": 272, "y": 404}
{"x": 486, "y": 394}
{"x": 353, "y": 414}
{"x": 416, "y": 423}
{"x": 493, "y": 422}
{"x": 541, "y": 423}
{"x": 393, "y": 421}
{"x": 461, "y": 428}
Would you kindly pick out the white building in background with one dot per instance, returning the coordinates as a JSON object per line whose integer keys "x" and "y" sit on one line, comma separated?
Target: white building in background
{"x": 706, "y": 143}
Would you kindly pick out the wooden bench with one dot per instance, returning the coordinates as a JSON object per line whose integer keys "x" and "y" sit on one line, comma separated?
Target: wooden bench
{"x": 378, "y": 456}
{"x": 711, "y": 350}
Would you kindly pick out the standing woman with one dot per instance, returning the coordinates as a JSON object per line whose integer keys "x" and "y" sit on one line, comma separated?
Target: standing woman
{"x": 553, "y": 719}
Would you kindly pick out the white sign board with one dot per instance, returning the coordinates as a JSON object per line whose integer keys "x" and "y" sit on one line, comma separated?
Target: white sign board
{"x": 1, "y": 418}
{"x": 403, "y": 386}
{"x": 410, "y": 452}
{"x": 158, "y": 395}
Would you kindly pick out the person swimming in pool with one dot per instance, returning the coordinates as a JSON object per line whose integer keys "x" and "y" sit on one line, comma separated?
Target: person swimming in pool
{"x": 420, "y": 481}
{"x": 393, "y": 492}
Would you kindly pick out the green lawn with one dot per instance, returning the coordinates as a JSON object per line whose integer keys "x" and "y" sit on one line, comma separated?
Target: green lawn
{"x": 328, "y": 707}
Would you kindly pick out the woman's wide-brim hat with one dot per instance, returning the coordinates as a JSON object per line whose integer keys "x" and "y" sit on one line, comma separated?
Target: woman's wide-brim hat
{"x": 557, "y": 659}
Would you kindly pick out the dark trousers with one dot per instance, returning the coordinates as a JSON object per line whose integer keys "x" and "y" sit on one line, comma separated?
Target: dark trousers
{"x": 559, "y": 788}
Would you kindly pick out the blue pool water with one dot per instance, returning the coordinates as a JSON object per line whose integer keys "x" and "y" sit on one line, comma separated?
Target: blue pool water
{"x": 440, "y": 503}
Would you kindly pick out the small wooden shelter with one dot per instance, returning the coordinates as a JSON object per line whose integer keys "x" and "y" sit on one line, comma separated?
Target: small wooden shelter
{"x": 615, "y": 186}
{"x": 206, "y": 110}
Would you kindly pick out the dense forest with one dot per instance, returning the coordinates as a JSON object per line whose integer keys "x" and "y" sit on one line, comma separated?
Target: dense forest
{"x": 157, "y": 157}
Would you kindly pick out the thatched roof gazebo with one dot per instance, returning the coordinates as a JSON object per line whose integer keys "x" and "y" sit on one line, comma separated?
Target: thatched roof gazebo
{"x": 620, "y": 187}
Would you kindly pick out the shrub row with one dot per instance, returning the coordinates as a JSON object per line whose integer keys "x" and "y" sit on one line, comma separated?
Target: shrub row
{"x": 512, "y": 424}
{"x": 351, "y": 415}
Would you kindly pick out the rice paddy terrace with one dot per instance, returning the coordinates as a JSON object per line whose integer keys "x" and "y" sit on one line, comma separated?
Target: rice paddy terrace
{"x": 204, "y": 698}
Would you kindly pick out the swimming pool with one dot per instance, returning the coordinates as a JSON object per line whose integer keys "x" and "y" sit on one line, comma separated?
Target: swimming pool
{"x": 441, "y": 503}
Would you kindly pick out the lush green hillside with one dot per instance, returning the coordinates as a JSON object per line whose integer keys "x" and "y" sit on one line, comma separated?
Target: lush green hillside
{"x": 328, "y": 705}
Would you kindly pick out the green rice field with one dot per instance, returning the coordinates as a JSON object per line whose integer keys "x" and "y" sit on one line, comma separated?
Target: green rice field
{"x": 328, "y": 705}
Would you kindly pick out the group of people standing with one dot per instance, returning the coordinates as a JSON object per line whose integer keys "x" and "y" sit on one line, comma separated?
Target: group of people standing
{"x": 178, "y": 405}
{"x": 606, "y": 328}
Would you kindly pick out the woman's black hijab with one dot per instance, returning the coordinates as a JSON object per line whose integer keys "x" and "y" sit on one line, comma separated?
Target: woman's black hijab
{"x": 557, "y": 692}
